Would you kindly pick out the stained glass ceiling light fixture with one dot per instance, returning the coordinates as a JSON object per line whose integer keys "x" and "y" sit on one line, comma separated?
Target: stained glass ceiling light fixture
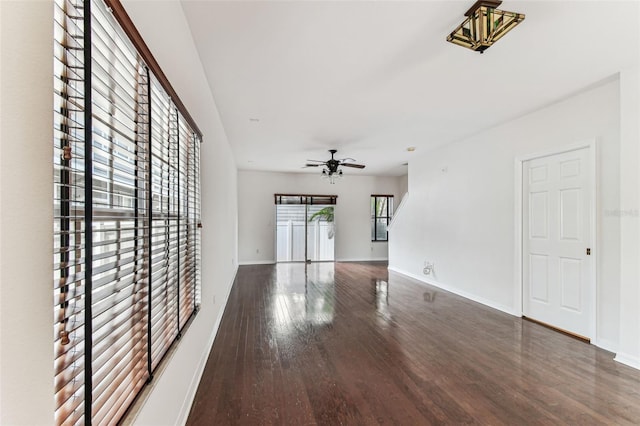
{"x": 484, "y": 26}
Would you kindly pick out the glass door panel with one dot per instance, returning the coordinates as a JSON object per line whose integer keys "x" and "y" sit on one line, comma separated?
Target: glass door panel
{"x": 320, "y": 233}
{"x": 290, "y": 233}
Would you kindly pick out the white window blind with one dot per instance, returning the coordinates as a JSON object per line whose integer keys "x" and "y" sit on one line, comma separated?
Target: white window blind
{"x": 126, "y": 225}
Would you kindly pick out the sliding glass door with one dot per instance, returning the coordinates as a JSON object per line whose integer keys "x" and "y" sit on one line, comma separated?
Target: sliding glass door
{"x": 305, "y": 232}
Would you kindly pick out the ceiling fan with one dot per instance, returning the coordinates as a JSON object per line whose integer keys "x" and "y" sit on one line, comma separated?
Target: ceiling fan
{"x": 332, "y": 166}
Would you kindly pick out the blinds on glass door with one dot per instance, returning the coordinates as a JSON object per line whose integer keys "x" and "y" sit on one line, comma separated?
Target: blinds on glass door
{"x": 126, "y": 261}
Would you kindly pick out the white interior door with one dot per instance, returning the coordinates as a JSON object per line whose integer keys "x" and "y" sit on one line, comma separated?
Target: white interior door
{"x": 557, "y": 240}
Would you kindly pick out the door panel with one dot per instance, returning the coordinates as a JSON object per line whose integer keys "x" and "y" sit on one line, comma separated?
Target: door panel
{"x": 538, "y": 174}
{"x": 556, "y": 216}
{"x": 290, "y": 232}
{"x": 538, "y": 224}
{"x": 320, "y": 232}
{"x": 570, "y": 280}
{"x": 570, "y": 214}
{"x": 539, "y": 274}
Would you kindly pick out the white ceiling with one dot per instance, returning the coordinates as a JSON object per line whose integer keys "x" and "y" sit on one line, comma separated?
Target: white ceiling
{"x": 293, "y": 79}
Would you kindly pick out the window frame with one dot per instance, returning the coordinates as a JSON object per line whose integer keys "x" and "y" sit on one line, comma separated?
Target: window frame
{"x": 126, "y": 226}
{"x": 375, "y": 217}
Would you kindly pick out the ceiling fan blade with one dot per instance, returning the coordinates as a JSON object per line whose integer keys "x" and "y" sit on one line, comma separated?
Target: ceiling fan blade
{"x": 347, "y": 159}
{"x": 355, "y": 166}
{"x": 313, "y": 165}
{"x": 317, "y": 161}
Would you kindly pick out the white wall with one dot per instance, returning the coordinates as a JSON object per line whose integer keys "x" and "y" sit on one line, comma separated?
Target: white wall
{"x": 165, "y": 31}
{"x": 404, "y": 184}
{"x": 629, "y": 347}
{"x": 352, "y": 214}
{"x": 26, "y": 212}
{"x": 461, "y": 214}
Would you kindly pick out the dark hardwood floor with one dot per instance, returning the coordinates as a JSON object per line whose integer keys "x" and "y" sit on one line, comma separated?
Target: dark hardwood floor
{"x": 344, "y": 344}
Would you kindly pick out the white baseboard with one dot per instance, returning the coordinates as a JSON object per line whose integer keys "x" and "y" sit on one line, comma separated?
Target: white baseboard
{"x": 629, "y": 360}
{"x": 256, "y": 262}
{"x": 381, "y": 259}
{"x": 607, "y": 345}
{"x": 454, "y": 290}
{"x": 272, "y": 262}
{"x": 199, "y": 370}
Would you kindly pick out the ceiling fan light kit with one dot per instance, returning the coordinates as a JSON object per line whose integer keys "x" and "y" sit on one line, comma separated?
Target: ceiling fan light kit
{"x": 332, "y": 176}
{"x": 332, "y": 167}
{"x": 484, "y": 25}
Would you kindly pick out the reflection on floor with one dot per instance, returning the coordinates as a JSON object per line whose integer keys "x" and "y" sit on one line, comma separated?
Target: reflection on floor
{"x": 347, "y": 343}
{"x": 303, "y": 295}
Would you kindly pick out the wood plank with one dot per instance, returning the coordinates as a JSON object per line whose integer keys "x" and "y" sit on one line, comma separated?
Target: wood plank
{"x": 346, "y": 343}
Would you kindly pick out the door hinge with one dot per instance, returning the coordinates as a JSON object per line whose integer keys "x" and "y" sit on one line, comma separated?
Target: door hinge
{"x": 588, "y": 252}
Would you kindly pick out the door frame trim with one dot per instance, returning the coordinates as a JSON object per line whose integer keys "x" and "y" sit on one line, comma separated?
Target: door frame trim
{"x": 592, "y": 145}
